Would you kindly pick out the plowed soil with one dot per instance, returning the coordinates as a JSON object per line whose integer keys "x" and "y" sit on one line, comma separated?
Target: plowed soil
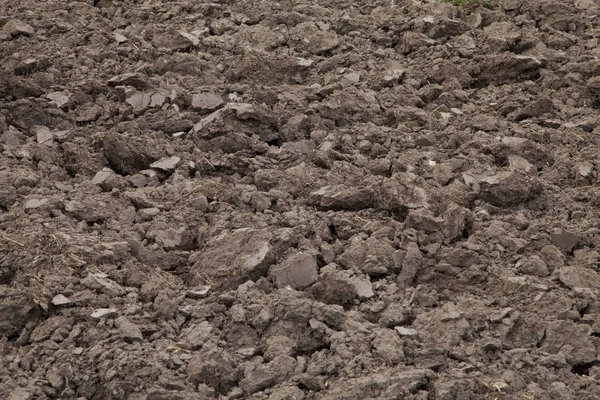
{"x": 338, "y": 200}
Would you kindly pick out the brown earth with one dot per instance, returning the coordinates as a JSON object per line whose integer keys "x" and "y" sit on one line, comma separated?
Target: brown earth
{"x": 252, "y": 199}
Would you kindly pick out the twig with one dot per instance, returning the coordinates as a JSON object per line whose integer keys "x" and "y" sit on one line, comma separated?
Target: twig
{"x": 12, "y": 240}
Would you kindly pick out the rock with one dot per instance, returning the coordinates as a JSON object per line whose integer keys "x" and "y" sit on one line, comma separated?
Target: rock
{"x": 43, "y": 135}
{"x": 128, "y": 330}
{"x": 167, "y": 164}
{"x": 101, "y": 282}
{"x": 126, "y": 156}
{"x": 363, "y": 287}
{"x": 306, "y": 36}
{"x": 410, "y": 266}
{"x": 565, "y": 241}
{"x": 206, "y": 101}
{"x": 197, "y": 334}
{"x": 423, "y": 220}
{"x": 17, "y": 27}
{"x": 235, "y": 257}
{"x": 89, "y": 113}
{"x": 279, "y": 345}
{"x": 533, "y": 265}
{"x": 215, "y": 367}
{"x": 287, "y": 393}
{"x": 552, "y": 256}
{"x": 372, "y": 256}
{"x": 198, "y": 293}
{"x": 181, "y": 238}
{"x": 103, "y": 312}
{"x": 258, "y": 380}
{"x": 403, "y": 331}
{"x": 509, "y": 189}
{"x": 135, "y": 79}
{"x": 341, "y": 197}
{"x": 579, "y": 277}
{"x": 388, "y": 346}
{"x": 507, "y": 67}
{"x": 139, "y": 101}
{"x": 61, "y": 300}
{"x": 535, "y": 109}
{"x": 334, "y": 289}
{"x": 572, "y": 339}
{"x": 298, "y": 271}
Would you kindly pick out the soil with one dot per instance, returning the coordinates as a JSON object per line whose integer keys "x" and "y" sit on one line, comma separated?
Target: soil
{"x": 249, "y": 199}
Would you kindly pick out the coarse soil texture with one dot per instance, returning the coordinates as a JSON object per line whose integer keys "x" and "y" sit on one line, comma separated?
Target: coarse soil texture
{"x": 337, "y": 200}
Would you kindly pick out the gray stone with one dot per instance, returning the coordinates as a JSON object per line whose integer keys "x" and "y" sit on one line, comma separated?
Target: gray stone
{"x": 533, "y": 265}
{"x": 363, "y": 286}
{"x": 579, "y": 277}
{"x": 103, "y": 312}
{"x": 128, "y": 330}
{"x": 403, "y": 331}
{"x": 167, "y": 164}
{"x": 572, "y": 339}
{"x": 17, "y": 27}
{"x": 410, "y": 266}
{"x": 100, "y": 281}
{"x": 206, "y": 101}
{"x": 60, "y": 300}
{"x": 388, "y": 346}
{"x": 565, "y": 241}
{"x": 197, "y": 334}
{"x": 298, "y": 271}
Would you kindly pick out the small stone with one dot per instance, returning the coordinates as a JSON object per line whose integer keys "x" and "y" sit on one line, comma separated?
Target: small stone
{"x": 119, "y": 38}
{"x": 403, "y": 331}
{"x": 26, "y": 66}
{"x": 44, "y": 135}
{"x": 128, "y": 330}
{"x": 36, "y": 203}
{"x": 61, "y": 300}
{"x": 139, "y": 101}
{"x": 89, "y": 114}
{"x": 351, "y": 78}
{"x": 585, "y": 169}
{"x": 565, "y": 241}
{"x": 100, "y": 281}
{"x": 59, "y": 99}
{"x": 167, "y": 164}
{"x": 147, "y": 214}
{"x": 17, "y": 27}
{"x": 579, "y": 277}
{"x": 533, "y": 265}
{"x": 135, "y": 79}
{"x": 103, "y": 312}
{"x": 198, "y": 293}
{"x": 200, "y": 203}
{"x": 299, "y": 271}
{"x": 410, "y": 266}
{"x": 206, "y": 101}
{"x": 364, "y": 287}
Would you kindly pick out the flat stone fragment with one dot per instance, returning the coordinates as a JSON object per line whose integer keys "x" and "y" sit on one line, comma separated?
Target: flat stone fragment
{"x": 44, "y": 135}
{"x": 298, "y": 271}
{"x": 61, "y": 300}
{"x": 167, "y": 164}
{"x": 403, "y": 331}
{"x": 206, "y": 101}
{"x": 579, "y": 277}
{"x": 103, "y": 312}
{"x": 17, "y": 27}
{"x": 565, "y": 241}
{"x": 128, "y": 330}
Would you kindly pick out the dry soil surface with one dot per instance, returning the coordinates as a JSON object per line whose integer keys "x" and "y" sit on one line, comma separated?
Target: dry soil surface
{"x": 251, "y": 199}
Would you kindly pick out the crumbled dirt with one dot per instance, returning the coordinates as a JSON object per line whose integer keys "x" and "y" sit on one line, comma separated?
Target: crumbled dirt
{"x": 299, "y": 200}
